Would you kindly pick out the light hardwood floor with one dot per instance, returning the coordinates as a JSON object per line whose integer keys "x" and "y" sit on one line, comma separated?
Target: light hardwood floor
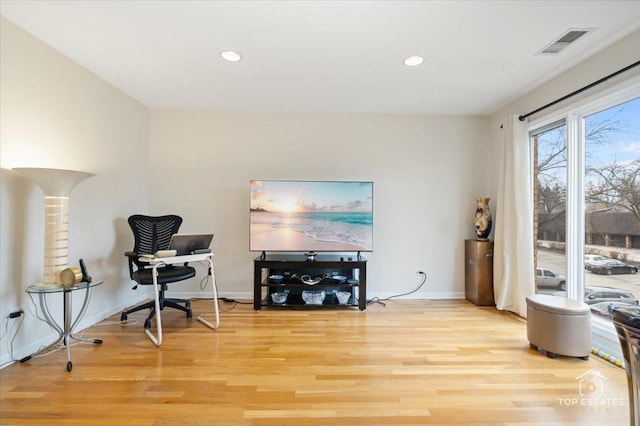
{"x": 409, "y": 362}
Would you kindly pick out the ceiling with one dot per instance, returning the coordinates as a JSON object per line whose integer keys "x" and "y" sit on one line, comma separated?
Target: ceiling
{"x": 324, "y": 56}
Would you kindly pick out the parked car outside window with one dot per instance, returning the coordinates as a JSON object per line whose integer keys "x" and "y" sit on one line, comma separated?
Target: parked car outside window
{"x": 595, "y": 295}
{"x": 548, "y": 279}
{"x": 591, "y": 259}
{"x": 605, "y": 308}
{"x": 610, "y": 267}
{"x": 600, "y": 295}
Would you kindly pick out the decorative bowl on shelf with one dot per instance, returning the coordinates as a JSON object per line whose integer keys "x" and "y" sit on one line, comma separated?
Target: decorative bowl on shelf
{"x": 279, "y": 298}
{"x": 276, "y": 279}
{"x": 310, "y": 281}
{"x": 343, "y": 297}
{"x": 313, "y": 297}
{"x": 340, "y": 279}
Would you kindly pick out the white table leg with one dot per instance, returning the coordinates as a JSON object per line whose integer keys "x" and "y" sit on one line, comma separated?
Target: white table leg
{"x": 156, "y": 341}
{"x": 215, "y": 300}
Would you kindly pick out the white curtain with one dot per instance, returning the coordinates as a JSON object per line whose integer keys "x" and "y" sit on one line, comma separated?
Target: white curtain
{"x": 513, "y": 270}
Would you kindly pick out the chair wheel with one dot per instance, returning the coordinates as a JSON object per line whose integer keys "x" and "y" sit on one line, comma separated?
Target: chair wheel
{"x": 147, "y": 323}
{"x": 189, "y": 313}
{"x": 123, "y": 317}
{"x": 69, "y": 366}
{"x": 551, "y": 355}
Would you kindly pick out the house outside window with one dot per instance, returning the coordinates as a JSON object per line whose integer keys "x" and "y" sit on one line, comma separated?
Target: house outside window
{"x": 587, "y": 183}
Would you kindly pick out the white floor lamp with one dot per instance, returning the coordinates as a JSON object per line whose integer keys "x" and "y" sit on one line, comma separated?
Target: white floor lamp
{"x": 56, "y": 185}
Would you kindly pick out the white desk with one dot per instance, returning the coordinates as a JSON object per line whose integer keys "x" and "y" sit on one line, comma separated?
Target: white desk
{"x": 158, "y": 262}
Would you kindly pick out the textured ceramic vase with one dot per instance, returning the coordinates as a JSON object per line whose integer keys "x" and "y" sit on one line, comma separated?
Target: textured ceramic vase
{"x": 482, "y": 220}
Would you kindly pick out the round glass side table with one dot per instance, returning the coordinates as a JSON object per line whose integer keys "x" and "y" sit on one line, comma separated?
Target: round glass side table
{"x": 65, "y": 332}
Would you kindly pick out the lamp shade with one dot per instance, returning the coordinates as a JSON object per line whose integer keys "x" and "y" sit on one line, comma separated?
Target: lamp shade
{"x": 56, "y": 185}
{"x": 54, "y": 182}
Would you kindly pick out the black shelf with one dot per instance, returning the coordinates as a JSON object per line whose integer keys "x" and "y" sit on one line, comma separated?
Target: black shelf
{"x": 324, "y": 266}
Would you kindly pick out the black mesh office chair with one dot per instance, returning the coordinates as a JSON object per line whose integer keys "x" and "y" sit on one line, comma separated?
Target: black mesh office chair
{"x": 153, "y": 233}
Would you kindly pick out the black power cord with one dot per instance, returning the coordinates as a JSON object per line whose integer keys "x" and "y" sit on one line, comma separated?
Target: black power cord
{"x": 381, "y": 301}
{"x": 15, "y": 333}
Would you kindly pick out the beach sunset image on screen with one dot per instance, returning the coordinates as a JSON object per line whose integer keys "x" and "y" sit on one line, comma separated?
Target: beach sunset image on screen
{"x": 311, "y": 216}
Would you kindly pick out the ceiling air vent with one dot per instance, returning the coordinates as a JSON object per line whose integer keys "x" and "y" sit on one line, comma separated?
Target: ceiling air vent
{"x": 564, "y": 41}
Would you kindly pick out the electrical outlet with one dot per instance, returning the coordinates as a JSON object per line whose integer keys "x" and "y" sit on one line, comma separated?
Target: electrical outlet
{"x": 17, "y": 313}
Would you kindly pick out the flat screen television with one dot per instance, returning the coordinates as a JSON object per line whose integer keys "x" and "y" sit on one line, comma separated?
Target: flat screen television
{"x": 311, "y": 216}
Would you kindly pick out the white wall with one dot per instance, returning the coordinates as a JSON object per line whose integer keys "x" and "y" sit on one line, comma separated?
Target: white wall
{"x": 427, "y": 172}
{"x": 56, "y": 114}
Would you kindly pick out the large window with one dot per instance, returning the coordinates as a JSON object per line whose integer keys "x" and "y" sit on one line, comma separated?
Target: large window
{"x": 587, "y": 200}
{"x": 612, "y": 206}
{"x": 550, "y": 192}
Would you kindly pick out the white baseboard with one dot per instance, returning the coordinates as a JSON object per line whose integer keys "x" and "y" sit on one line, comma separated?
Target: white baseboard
{"x": 420, "y": 296}
{"x": 208, "y": 295}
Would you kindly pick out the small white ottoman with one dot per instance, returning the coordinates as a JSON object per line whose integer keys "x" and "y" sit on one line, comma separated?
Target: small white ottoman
{"x": 559, "y": 326}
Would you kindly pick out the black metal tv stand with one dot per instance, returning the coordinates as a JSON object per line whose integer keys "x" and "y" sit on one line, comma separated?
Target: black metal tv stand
{"x": 292, "y": 266}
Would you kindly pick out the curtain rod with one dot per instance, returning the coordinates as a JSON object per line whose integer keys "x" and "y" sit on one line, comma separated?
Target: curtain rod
{"x": 589, "y": 86}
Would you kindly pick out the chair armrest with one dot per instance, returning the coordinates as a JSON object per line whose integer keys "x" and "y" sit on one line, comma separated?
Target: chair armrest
{"x": 132, "y": 256}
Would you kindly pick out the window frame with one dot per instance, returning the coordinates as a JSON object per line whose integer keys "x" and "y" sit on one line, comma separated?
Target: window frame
{"x": 573, "y": 115}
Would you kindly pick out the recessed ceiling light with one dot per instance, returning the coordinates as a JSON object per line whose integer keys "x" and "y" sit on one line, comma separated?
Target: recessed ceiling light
{"x": 412, "y": 61}
{"x": 230, "y": 55}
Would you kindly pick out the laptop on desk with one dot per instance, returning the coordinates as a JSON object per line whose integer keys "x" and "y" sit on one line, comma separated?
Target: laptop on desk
{"x": 188, "y": 243}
